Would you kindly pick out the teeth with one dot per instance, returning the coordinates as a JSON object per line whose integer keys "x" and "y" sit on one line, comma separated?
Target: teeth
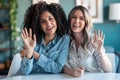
{"x": 76, "y": 25}
{"x": 49, "y": 28}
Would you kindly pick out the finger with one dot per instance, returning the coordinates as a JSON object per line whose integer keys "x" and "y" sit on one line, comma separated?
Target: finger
{"x": 22, "y": 53}
{"x": 78, "y": 69}
{"x": 82, "y": 71}
{"x": 30, "y": 32}
{"x": 78, "y": 74}
{"x": 34, "y": 37}
{"x": 103, "y": 36}
{"x": 26, "y": 32}
{"x": 23, "y": 33}
{"x": 99, "y": 33}
{"x": 82, "y": 68}
{"x": 23, "y": 37}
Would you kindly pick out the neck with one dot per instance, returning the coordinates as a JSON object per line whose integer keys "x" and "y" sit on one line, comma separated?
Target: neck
{"x": 78, "y": 39}
{"x": 48, "y": 38}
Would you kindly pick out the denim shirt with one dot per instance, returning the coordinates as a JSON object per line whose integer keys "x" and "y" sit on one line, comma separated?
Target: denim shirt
{"x": 52, "y": 57}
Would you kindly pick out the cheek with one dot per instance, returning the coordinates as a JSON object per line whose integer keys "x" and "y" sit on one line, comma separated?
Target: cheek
{"x": 83, "y": 24}
{"x": 43, "y": 27}
{"x": 55, "y": 23}
{"x": 71, "y": 23}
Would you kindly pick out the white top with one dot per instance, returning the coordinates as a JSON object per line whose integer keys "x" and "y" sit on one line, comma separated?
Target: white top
{"x": 87, "y": 59}
{"x": 86, "y": 76}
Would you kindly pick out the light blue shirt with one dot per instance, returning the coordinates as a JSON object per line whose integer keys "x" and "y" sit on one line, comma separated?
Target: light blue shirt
{"x": 52, "y": 57}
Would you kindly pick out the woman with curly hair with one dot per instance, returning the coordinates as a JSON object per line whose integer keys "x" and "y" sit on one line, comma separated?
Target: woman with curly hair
{"x": 45, "y": 39}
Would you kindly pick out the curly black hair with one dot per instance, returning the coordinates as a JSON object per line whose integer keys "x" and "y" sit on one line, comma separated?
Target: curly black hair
{"x": 32, "y": 18}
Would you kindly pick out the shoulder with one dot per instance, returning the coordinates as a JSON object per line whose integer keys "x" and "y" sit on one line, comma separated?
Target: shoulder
{"x": 66, "y": 37}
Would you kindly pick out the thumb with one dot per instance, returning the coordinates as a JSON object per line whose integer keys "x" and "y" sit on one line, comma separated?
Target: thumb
{"x": 82, "y": 68}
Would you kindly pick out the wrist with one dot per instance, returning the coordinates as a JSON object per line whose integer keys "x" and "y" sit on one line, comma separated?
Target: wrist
{"x": 67, "y": 70}
{"x": 29, "y": 54}
{"x": 99, "y": 51}
{"x": 36, "y": 55}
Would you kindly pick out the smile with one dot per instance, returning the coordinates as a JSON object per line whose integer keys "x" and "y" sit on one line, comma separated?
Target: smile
{"x": 49, "y": 28}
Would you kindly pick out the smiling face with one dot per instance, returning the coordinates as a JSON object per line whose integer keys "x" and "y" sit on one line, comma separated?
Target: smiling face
{"x": 48, "y": 23}
{"x": 77, "y": 22}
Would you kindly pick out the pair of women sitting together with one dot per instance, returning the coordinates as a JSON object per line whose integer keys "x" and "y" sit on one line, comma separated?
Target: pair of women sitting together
{"x": 53, "y": 44}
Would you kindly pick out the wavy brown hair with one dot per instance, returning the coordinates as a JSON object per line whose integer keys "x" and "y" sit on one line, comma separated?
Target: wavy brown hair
{"x": 32, "y": 18}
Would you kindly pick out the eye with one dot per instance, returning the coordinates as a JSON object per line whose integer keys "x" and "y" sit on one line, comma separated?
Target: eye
{"x": 74, "y": 17}
{"x": 42, "y": 21}
{"x": 82, "y": 18}
{"x": 51, "y": 19}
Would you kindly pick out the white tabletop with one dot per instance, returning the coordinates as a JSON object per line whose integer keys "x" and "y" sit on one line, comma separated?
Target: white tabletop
{"x": 86, "y": 76}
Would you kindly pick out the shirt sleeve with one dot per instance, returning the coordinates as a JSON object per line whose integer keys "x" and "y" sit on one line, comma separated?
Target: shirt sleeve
{"x": 55, "y": 66}
{"x": 98, "y": 63}
{"x": 26, "y": 65}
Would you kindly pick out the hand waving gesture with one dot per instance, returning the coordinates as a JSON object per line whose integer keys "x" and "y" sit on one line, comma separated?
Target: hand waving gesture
{"x": 98, "y": 40}
{"x": 29, "y": 42}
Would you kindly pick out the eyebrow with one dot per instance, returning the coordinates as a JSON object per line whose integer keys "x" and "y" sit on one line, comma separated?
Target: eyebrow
{"x": 47, "y": 17}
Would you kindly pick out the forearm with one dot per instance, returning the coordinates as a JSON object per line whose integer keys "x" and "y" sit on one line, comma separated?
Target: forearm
{"x": 105, "y": 62}
{"x": 49, "y": 65}
{"x": 26, "y": 65}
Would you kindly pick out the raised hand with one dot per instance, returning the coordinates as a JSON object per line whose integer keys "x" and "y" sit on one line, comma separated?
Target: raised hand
{"x": 98, "y": 40}
{"x": 29, "y": 42}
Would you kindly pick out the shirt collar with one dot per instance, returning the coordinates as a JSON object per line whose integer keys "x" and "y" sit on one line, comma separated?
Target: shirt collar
{"x": 52, "y": 42}
{"x": 73, "y": 44}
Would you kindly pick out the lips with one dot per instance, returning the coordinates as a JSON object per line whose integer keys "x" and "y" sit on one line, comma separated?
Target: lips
{"x": 49, "y": 28}
{"x": 75, "y": 26}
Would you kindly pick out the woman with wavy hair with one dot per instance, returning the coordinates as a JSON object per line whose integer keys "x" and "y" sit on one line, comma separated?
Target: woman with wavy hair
{"x": 86, "y": 49}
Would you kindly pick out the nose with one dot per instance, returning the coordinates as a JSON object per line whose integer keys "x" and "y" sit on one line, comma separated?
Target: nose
{"x": 77, "y": 20}
{"x": 48, "y": 23}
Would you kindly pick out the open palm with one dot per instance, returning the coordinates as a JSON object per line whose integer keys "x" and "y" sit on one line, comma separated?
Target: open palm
{"x": 29, "y": 41}
{"x": 98, "y": 40}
